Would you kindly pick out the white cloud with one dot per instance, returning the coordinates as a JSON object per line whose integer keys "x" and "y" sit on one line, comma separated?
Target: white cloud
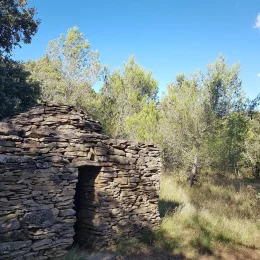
{"x": 257, "y": 23}
{"x": 258, "y": 75}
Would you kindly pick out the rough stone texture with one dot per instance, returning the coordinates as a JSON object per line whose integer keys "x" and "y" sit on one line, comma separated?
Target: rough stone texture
{"x": 51, "y": 153}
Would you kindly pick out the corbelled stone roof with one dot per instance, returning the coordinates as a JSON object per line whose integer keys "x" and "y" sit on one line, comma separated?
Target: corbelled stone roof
{"x": 42, "y": 153}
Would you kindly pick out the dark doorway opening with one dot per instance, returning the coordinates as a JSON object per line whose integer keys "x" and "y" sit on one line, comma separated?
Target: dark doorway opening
{"x": 86, "y": 206}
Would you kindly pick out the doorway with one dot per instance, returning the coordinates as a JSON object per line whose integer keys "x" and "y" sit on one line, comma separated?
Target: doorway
{"x": 86, "y": 205}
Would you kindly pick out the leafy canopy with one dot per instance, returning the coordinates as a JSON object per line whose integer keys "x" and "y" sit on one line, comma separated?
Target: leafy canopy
{"x": 124, "y": 94}
{"x": 18, "y": 92}
{"x": 203, "y": 118}
{"x": 68, "y": 70}
{"x": 17, "y": 23}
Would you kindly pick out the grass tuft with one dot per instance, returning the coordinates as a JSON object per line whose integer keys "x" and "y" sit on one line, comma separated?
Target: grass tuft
{"x": 219, "y": 218}
{"x": 75, "y": 253}
{"x": 209, "y": 215}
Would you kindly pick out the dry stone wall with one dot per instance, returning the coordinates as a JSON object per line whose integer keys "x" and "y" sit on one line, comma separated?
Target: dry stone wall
{"x": 62, "y": 180}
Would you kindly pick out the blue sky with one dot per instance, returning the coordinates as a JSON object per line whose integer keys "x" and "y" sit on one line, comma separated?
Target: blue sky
{"x": 166, "y": 36}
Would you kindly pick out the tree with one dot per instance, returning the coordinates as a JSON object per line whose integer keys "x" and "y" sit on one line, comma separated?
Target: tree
{"x": 143, "y": 125}
{"x": 18, "y": 92}
{"x": 228, "y": 111}
{"x": 17, "y": 24}
{"x": 184, "y": 123}
{"x": 124, "y": 95}
{"x": 203, "y": 119}
{"x": 45, "y": 71}
{"x": 226, "y": 144}
{"x": 252, "y": 151}
{"x": 68, "y": 70}
{"x": 224, "y": 87}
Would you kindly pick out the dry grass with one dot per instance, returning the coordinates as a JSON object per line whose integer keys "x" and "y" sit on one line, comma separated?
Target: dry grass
{"x": 76, "y": 253}
{"x": 211, "y": 214}
{"x": 219, "y": 218}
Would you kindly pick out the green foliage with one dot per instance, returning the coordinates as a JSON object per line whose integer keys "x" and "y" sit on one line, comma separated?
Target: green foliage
{"x": 184, "y": 120}
{"x": 125, "y": 95}
{"x": 78, "y": 63}
{"x": 224, "y": 87}
{"x": 17, "y": 24}
{"x": 46, "y": 72}
{"x": 143, "y": 126}
{"x": 200, "y": 122}
{"x": 18, "y": 92}
{"x": 252, "y": 147}
{"x": 203, "y": 119}
{"x": 68, "y": 70}
{"x": 227, "y": 146}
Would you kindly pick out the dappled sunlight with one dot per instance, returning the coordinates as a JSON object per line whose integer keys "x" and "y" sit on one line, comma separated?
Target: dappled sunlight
{"x": 207, "y": 219}
{"x": 186, "y": 184}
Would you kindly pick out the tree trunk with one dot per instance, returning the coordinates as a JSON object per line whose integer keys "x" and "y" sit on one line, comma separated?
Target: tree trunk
{"x": 193, "y": 173}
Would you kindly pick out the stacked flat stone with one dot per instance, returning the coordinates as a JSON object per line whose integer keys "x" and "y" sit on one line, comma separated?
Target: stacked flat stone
{"x": 43, "y": 153}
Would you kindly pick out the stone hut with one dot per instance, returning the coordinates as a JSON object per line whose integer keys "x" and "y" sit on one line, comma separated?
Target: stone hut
{"x": 63, "y": 181}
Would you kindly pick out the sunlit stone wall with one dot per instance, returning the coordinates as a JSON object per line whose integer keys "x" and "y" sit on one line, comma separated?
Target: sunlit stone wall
{"x": 60, "y": 174}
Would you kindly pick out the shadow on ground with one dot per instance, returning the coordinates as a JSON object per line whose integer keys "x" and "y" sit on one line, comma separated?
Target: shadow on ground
{"x": 166, "y": 206}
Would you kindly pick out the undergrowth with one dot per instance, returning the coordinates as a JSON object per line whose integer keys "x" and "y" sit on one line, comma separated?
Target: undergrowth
{"x": 75, "y": 253}
{"x": 217, "y": 214}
